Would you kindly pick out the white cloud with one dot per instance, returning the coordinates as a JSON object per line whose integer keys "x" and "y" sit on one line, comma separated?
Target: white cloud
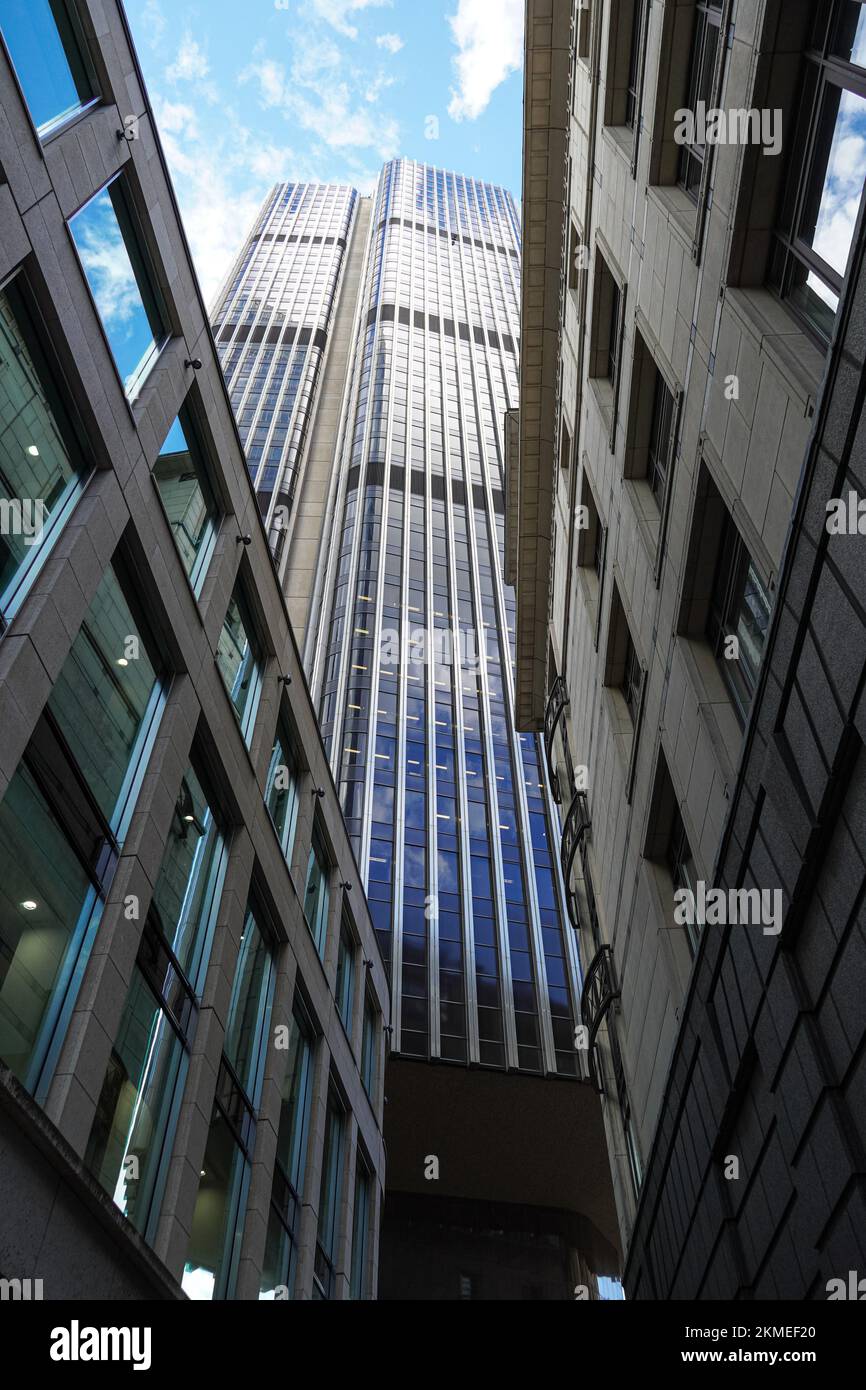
{"x": 392, "y": 43}
{"x": 336, "y": 12}
{"x": 191, "y": 64}
{"x": 490, "y": 42}
{"x": 152, "y": 22}
{"x": 319, "y": 92}
{"x": 379, "y": 84}
{"x": 222, "y": 178}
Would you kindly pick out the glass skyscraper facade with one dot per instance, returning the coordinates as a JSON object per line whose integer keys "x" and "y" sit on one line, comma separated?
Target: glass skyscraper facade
{"x": 272, "y": 326}
{"x": 412, "y": 647}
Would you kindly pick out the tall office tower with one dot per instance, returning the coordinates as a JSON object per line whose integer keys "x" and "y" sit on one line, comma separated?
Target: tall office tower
{"x": 409, "y": 652}
{"x": 283, "y": 328}
{"x": 690, "y": 407}
{"x": 192, "y": 1003}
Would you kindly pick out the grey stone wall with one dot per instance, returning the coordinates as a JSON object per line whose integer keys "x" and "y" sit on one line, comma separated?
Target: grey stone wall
{"x": 769, "y": 1066}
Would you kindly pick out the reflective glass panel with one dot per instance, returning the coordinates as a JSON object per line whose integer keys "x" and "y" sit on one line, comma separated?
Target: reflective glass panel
{"x": 48, "y": 59}
{"x": 187, "y": 495}
{"x": 103, "y": 693}
{"x": 37, "y": 472}
{"x": 120, "y": 282}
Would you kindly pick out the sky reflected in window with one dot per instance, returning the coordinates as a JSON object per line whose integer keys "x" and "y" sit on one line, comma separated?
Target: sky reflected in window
{"x": 842, "y": 190}
{"x": 105, "y": 240}
{"x": 47, "y": 59}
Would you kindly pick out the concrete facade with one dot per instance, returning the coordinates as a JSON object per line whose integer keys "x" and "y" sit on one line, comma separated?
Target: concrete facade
{"x": 81, "y": 1246}
{"x": 616, "y": 587}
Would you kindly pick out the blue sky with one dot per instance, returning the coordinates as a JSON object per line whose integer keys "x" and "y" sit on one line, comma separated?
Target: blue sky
{"x": 249, "y": 92}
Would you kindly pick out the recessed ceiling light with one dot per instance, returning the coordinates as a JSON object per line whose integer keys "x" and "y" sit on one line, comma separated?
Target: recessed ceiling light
{"x": 33, "y": 451}
{"x": 122, "y": 661}
{"x": 29, "y": 905}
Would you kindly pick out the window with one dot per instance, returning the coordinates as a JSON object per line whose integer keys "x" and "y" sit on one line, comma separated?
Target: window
{"x": 278, "y": 1271}
{"x": 346, "y": 977}
{"x": 739, "y": 618}
{"x": 317, "y": 894}
{"x": 631, "y": 681}
{"x": 590, "y": 544}
{"x": 705, "y": 45}
{"x": 50, "y": 59}
{"x": 821, "y": 207}
{"x": 282, "y": 791}
{"x": 42, "y": 470}
{"x": 239, "y": 661}
{"x": 564, "y": 448}
{"x": 359, "y": 1287}
{"x": 631, "y": 1142}
{"x": 62, "y": 822}
{"x": 608, "y": 329}
{"x": 632, "y": 98}
{"x": 615, "y": 326}
{"x": 122, "y": 283}
{"x": 584, "y": 25}
{"x": 188, "y": 498}
{"x": 574, "y": 261}
{"x": 369, "y": 1047}
{"x": 107, "y": 694}
{"x": 680, "y": 861}
{"x": 147, "y": 1069}
{"x": 598, "y": 550}
{"x": 329, "y": 1200}
{"x": 658, "y": 462}
{"x": 218, "y": 1218}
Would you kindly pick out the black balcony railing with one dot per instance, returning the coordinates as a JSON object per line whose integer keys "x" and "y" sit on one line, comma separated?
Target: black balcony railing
{"x": 556, "y": 707}
{"x": 599, "y": 992}
{"x": 576, "y": 825}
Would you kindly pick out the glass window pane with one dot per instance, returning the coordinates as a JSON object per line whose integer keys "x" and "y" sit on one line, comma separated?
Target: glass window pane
{"x": 369, "y": 1049}
{"x": 332, "y": 1172}
{"x": 316, "y": 896}
{"x": 836, "y": 184}
{"x": 213, "y": 1221}
{"x": 346, "y": 979}
{"x": 185, "y": 897}
{"x": 186, "y": 493}
{"x": 249, "y": 1009}
{"x": 47, "y": 57}
{"x": 37, "y": 472}
{"x": 360, "y": 1231}
{"x": 103, "y": 693}
{"x": 236, "y": 658}
{"x": 45, "y": 902}
{"x": 282, "y": 793}
{"x": 277, "y": 1266}
{"x": 132, "y": 1117}
{"x": 849, "y": 36}
{"x": 295, "y": 1110}
{"x": 120, "y": 283}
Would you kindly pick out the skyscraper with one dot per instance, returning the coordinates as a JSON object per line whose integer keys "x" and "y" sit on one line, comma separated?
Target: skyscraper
{"x": 410, "y": 638}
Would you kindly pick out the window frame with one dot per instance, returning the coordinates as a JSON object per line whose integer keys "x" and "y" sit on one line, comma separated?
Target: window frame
{"x": 50, "y": 129}
{"x": 186, "y": 417}
{"x": 143, "y": 263}
{"x": 247, "y": 720}
{"x": 734, "y": 566}
{"x": 53, "y": 384}
{"x": 331, "y": 1190}
{"x": 320, "y": 856}
{"x": 708, "y": 16}
{"x": 788, "y": 251}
